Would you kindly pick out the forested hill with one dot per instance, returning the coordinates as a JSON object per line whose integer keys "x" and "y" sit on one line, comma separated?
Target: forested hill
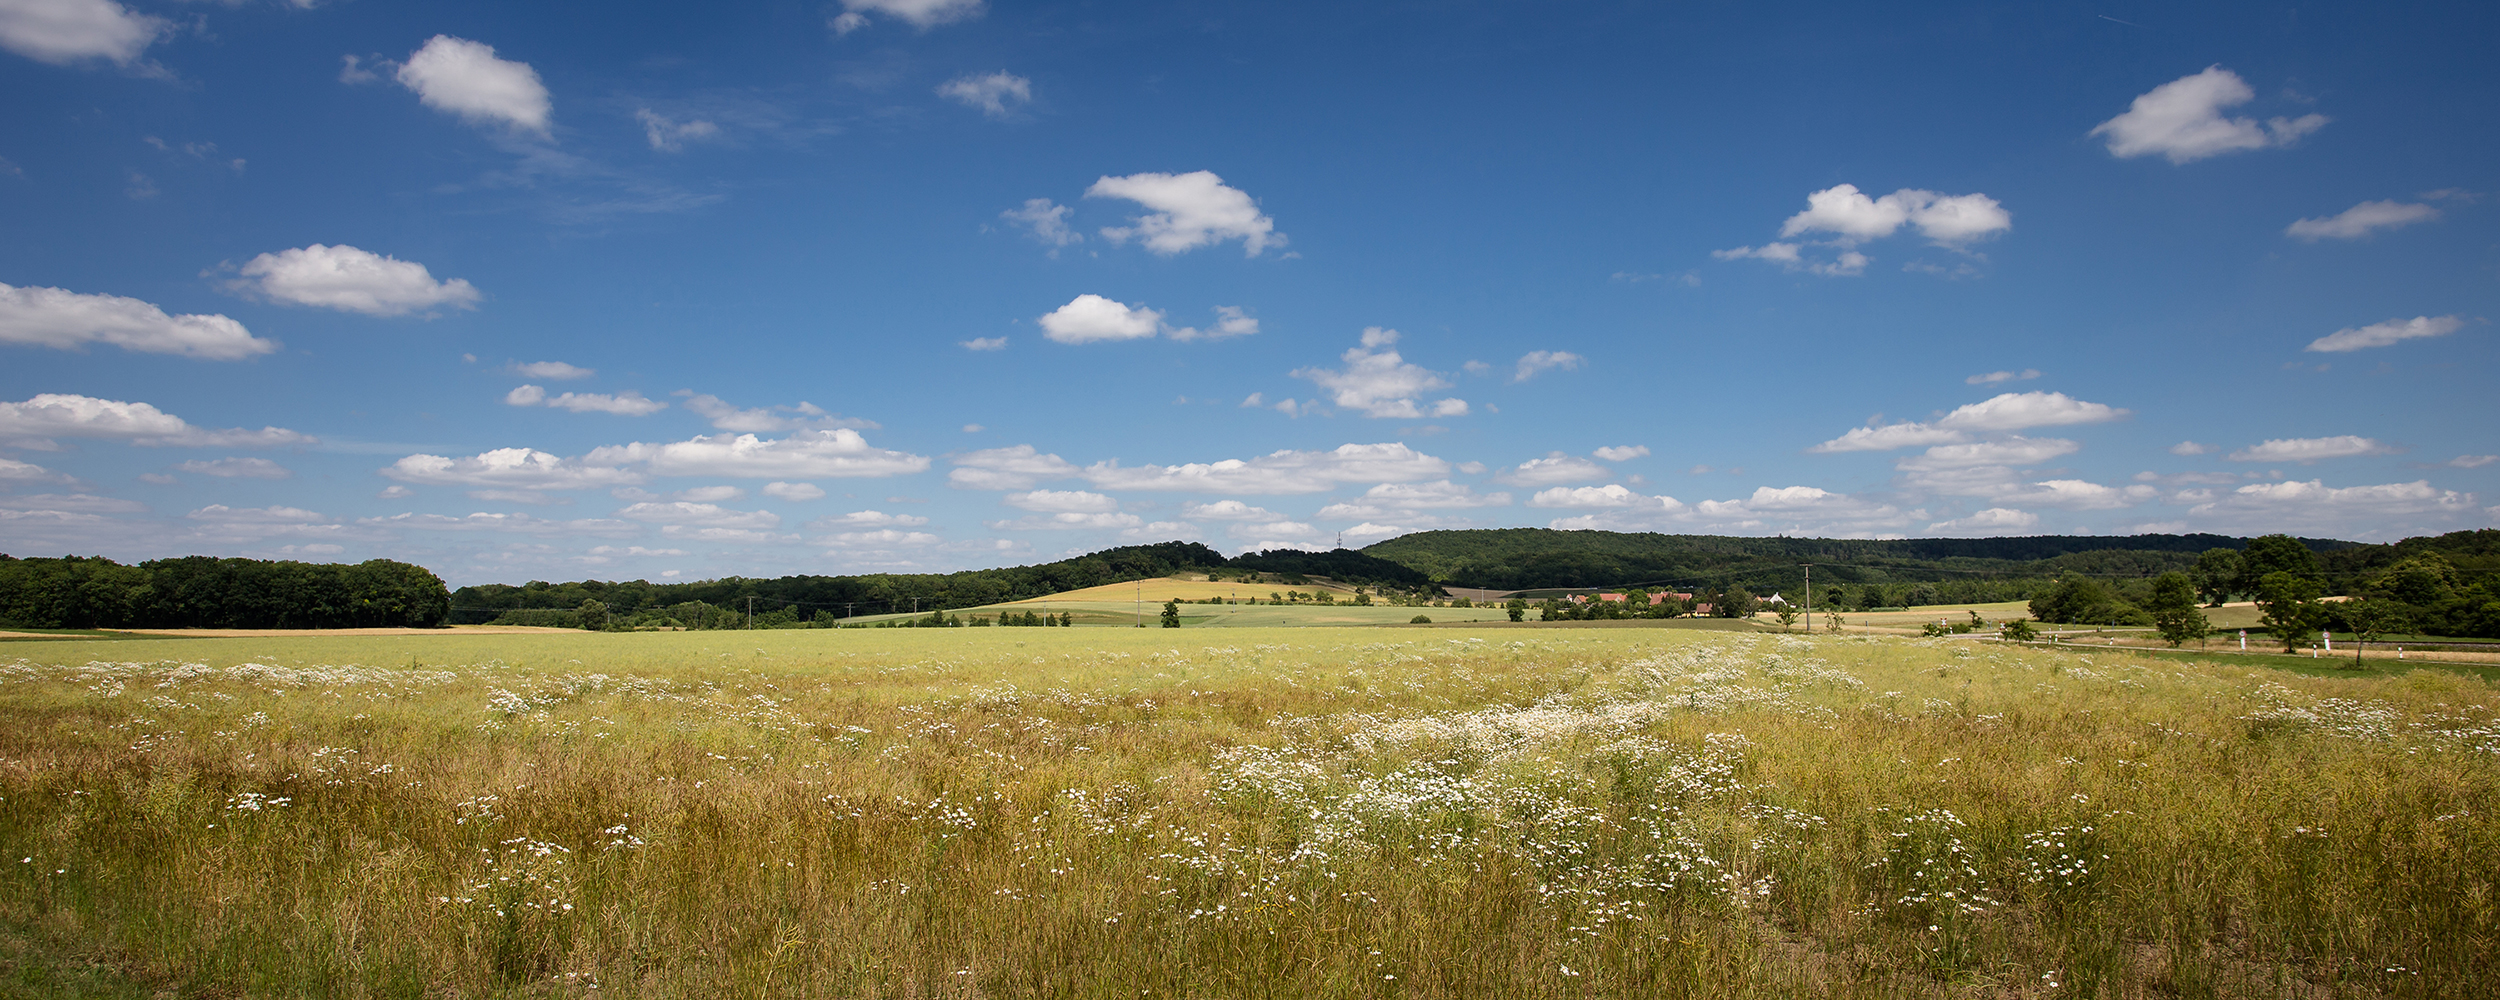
{"x": 1542, "y": 558}
{"x": 1877, "y": 573}
{"x": 802, "y": 598}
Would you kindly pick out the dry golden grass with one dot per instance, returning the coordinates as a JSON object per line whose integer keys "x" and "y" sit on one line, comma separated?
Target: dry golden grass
{"x": 1307, "y": 812}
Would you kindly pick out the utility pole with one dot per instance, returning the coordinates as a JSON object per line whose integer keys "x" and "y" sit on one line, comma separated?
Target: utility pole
{"x": 1141, "y": 604}
{"x": 1809, "y": 597}
{"x": 750, "y": 611}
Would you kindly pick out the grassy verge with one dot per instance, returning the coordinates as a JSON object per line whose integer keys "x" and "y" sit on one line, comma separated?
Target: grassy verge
{"x": 1247, "y": 813}
{"x": 8, "y": 635}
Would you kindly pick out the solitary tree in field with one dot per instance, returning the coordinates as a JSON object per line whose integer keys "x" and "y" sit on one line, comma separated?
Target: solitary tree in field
{"x": 2289, "y": 607}
{"x": 2371, "y": 619}
{"x": 1172, "y": 613}
{"x": 1787, "y": 614}
{"x": 1518, "y": 608}
{"x": 2174, "y": 609}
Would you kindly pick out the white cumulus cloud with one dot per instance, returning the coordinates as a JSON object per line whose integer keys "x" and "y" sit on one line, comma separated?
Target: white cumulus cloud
{"x": 526, "y": 524}
{"x": 1229, "y": 510}
{"x": 2014, "y": 411}
{"x": 1378, "y": 382}
{"x": 12, "y": 470}
{"x": 511, "y": 468}
{"x": 1161, "y": 531}
{"x": 465, "y": 78}
{"x": 794, "y": 491}
{"x": 58, "y": 318}
{"x": 2182, "y": 120}
{"x": 1555, "y": 467}
{"x": 2309, "y": 449}
{"x": 2361, "y": 220}
{"x": 806, "y": 454}
{"x": 921, "y": 14}
{"x": 1014, "y": 468}
{"x": 883, "y": 538}
{"x": 801, "y": 416}
{"x": 709, "y": 494}
{"x": 2010, "y": 451}
{"x": 1280, "y": 472}
{"x": 867, "y": 519}
{"x": 991, "y": 93}
{"x": 699, "y": 514}
{"x": 2191, "y": 448}
{"x": 65, "y": 31}
{"x": 1061, "y": 502}
{"x": 1089, "y": 317}
{"x": 1046, "y": 222}
{"x": 1609, "y": 496}
{"x": 985, "y": 344}
{"x": 66, "y": 415}
{"x": 2076, "y": 494}
{"x": 1993, "y": 378}
{"x": 624, "y": 404}
{"x": 2385, "y": 333}
{"x": 1069, "y": 521}
{"x": 1849, "y": 263}
{"x": 669, "y": 135}
{"x": 1622, "y": 453}
{"x": 238, "y": 468}
{"x": 1230, "y": 321}
{"x": 2314, "y": 507}
{"x": 1187, "y": 211}
{"x": 351, "y": 280}
{"x": 1907, "y": 434}
{"x": 1850, "y": 215}
{"x": 1805, "y": 509}
{"x": 1538, "y": 361}
{"x": 1400, "y": 501}
{"x": 553, "y": 371}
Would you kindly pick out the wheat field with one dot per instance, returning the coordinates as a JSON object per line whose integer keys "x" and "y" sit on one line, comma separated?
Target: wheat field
{"x": 1105, "y": 813}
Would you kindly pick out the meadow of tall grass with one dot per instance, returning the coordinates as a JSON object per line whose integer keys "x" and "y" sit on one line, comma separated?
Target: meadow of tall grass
{"x": 1258, "y": 813}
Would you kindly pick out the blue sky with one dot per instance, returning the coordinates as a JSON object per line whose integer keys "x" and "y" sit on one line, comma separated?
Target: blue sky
{"x": 556, "y": 291}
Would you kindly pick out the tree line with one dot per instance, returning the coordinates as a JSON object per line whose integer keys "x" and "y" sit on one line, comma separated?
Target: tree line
{"x": 1956, "y": 570}
{"x": 77, "y": 592}
{"x": 808, "y": 601}
{"x": 2442, "y": 585}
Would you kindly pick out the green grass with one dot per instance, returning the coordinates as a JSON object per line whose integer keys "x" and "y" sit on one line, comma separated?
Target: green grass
{"x": 1243, "y": 812}
{"x": 56, "y": 634}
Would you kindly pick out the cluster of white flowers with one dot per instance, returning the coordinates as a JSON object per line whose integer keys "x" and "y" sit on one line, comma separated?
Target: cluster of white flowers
{"x": 519, "y": 875}
{"x": 1935, "y": 871}
{"x": 253, "y": 802}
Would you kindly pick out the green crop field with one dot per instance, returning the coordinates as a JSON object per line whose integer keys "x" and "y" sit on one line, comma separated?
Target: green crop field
{"x": 1311, "y": 812}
